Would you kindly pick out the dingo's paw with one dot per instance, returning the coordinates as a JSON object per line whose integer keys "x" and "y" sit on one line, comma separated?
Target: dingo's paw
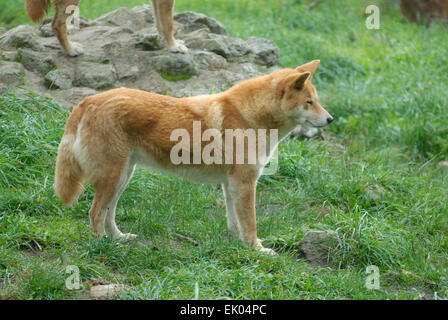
{"x": 178, "y": 47}
{"x": 267, "y": 251}
{"x": 259, "y": 247}
{"x": 76, "y": 50}
{"x": 126, "y": 237}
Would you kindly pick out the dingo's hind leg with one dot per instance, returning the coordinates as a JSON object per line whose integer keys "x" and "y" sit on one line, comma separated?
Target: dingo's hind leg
{"x": 61, "y": 13}
{"x": 107, "y": 187}
{"x": 110, "y": 225}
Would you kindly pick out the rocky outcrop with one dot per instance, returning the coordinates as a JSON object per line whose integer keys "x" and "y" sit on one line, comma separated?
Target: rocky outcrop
{"x": 11, "y": 73}
{"x": 123, "y": 49}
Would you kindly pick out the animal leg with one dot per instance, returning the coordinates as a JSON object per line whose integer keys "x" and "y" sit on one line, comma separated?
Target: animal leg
{"x": 163, "y": 11}
{"x": 110, "y": 225}
{"x": 59, "y": 25}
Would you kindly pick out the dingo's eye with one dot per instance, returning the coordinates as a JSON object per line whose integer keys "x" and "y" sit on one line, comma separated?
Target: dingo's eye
{"x": 309, "y": 102}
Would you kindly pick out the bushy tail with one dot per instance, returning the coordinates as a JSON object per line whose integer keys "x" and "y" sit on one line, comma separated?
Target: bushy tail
{"x": 67, "y": 181}
{"x": 36, "y": 9}
{"x": 69, "y": 175}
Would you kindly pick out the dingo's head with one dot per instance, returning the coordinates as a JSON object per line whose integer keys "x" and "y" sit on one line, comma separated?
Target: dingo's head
{"x": 299, "y": 97}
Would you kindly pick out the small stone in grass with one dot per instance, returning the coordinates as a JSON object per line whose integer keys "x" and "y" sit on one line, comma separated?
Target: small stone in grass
{"x": 106, "y": 291}
{"x": 315, "y": 246}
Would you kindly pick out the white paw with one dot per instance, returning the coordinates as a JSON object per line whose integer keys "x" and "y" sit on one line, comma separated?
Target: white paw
{"x": 259, "y": 247}
{"x": 267, "y": 251}
{"x": 178, "y": 47}
{"x": 125, "y": 237}
{"x": 76, "y": 50}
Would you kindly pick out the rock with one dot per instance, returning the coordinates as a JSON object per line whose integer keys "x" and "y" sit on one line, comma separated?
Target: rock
{"x": 106, "y": 291}
{"x": 46, "y": 30}
{"x": 11, "y": 73}
{"x": 9, "y": 55}
{"x": 127, "y": 70}
{"x": 40, "y": 62}
{"x": 124, "y": 17}
{"x": 2, "y": 30}
{"x": 213, "y": 45}
{"x": 92, "y": 75}
{"x": 77, "y": 94}
{"x": 196, "y": 21}
{"x": 240, "y": 72}
{"x": 175, "y": 66}
{"x": 124, "y": 59}
{"x": 95, "y": 55}
{"x": 123, "y": 49}
{"x": 146, "y": 11}
{"x": 71, "y": 97}
{"x": 210, "y": 61}
{"x": 149, "y": 41}
{"x": 265, "y": 51}
{"x": 20, "y": 37}
{"x": 315, "y": 245}
{"x": 236, "y": 47}
{"x": 84, "y": 23}
{"x": 57, "y": 79}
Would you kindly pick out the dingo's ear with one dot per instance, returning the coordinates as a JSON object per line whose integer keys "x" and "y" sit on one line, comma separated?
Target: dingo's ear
{"x": 300, "y": 80}
{"x": 310, "y": 66}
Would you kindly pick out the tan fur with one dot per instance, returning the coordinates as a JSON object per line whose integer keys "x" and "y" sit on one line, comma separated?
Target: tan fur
{"x": 68, "y": 174}
{"x": 163, "y": 12}
{"x": 36, "y": 9}
{"x": 424, "y": 9}
{"x": 107, "y": 134}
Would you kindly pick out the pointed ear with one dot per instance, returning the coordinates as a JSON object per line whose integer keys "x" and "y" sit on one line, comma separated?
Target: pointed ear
{"x": 300, "y": 80}
{"x": 310, "y": 66}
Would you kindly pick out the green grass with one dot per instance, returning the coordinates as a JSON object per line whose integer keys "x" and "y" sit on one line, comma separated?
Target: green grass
{"x": 382, "y": 192}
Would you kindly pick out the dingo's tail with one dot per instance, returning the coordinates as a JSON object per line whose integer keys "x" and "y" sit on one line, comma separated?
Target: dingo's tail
{"x": 69, "y": 174}
{"x": 36, "y": 9}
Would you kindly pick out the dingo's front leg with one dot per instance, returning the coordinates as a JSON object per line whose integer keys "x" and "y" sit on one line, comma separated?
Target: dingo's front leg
{"x": 232, "y": 219}
{"x": 242, "y": 189}
{"x": 110, "y": 180}
{"x": 163, "y": 12}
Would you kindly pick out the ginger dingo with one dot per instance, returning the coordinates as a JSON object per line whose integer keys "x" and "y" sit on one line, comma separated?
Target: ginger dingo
{"x": 163, "y": 12}
{"x": 107, "y": 134}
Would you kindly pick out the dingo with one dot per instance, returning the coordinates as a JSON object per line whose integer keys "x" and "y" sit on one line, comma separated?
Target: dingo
{"x": 107, "y": 134}
{"x": 163, "y": 12}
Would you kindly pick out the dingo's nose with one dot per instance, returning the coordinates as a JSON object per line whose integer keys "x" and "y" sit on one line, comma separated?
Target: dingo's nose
{"x": 330, "y": 119}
